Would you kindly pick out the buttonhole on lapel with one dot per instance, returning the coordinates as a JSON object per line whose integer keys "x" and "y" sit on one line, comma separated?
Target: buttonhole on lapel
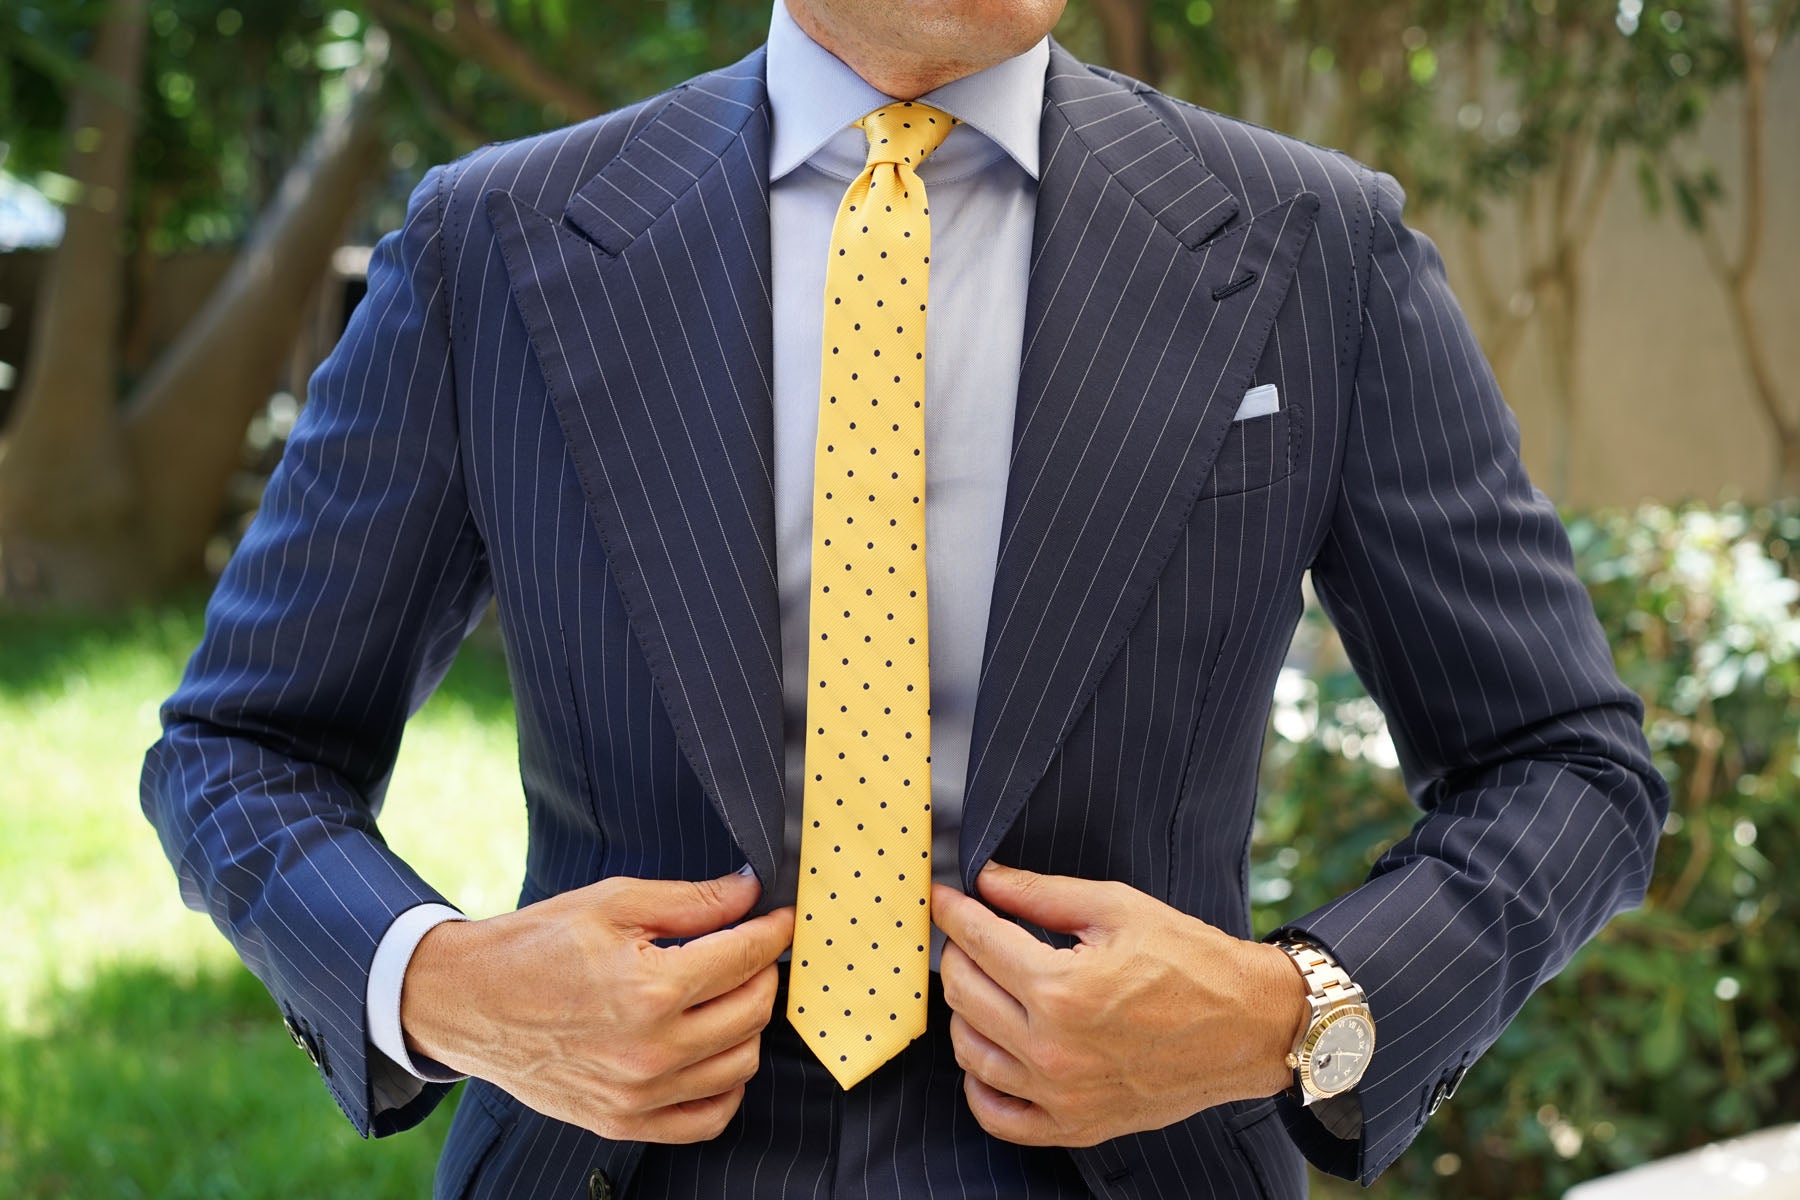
{"x": 1236, "y": 286}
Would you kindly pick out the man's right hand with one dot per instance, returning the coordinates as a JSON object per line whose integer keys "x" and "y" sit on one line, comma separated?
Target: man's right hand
{"x": 568, "y": 1004}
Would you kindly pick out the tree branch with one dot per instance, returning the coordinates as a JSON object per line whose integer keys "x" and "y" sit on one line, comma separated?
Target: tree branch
{"x": 1756, "y": 90}
{"x": 469, "y": 35}
{"x": 1594, "y": 203}
{"x": 420, "y": 85}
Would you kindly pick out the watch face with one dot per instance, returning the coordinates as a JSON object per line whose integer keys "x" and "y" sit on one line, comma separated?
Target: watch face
{"x": 1341, "y": 1052}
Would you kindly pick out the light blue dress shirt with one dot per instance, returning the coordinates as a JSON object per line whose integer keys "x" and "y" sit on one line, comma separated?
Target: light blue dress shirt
{"x": 983, "y": 188}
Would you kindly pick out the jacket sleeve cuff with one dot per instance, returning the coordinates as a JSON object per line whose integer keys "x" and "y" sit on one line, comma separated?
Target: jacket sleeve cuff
{"x": 1421, "y": 1051}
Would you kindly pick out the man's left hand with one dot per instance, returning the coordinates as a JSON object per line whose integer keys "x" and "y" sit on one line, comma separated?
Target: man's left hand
{"x": 1152, "y": 1017}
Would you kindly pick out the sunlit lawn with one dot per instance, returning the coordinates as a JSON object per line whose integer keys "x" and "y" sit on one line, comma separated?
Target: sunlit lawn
{"x": 137, "y": 1058}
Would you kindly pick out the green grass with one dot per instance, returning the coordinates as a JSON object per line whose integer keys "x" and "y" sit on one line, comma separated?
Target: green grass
{"x": 137, "y": 1057}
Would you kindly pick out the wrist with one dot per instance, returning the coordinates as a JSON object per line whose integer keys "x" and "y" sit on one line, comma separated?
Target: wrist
{"x": 1282, "y": 1013}
{"x": 387, "y": 975}
{"x": 437, "y": 993}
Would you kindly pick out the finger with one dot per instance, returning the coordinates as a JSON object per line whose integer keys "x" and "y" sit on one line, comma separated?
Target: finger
{"x": 1008, "y": 1117}
{"x": 719, "y": 1073}
{"x": 987, "y": 1061}
{"x": 647, "y": 1069}
{"x": 719, "y": 962}
{"x": 1010, "y": 956}
{"x": 656, "y": 908}
{"x": 727, "y": 1020}
{"x": 1063, "y": 903}
{"x": 690, "y": 1120}
{"x": 969, "y": 991}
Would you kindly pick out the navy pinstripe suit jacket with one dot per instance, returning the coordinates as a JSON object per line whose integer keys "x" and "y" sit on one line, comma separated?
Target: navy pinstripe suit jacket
{"x": 557, "y": 393}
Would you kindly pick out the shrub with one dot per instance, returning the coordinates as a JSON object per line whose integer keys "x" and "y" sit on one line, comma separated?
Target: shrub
{"x": 1676, "y": 1026}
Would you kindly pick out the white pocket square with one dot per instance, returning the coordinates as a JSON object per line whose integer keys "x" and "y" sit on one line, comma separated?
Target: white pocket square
{"x": 1259, "y": 402}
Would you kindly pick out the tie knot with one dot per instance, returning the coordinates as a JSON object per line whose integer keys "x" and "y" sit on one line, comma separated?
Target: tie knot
{"x": 905, "y": 132}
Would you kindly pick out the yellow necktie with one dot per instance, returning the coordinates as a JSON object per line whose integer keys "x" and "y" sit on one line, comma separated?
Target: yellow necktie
{"x": 856, "y": 989}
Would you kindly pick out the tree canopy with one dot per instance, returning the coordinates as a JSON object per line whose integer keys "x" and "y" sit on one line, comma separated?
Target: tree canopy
{"x": 162, "y": 125}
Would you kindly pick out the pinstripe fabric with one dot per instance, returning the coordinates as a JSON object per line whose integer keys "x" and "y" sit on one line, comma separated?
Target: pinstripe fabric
{"x": 557, "y": 391}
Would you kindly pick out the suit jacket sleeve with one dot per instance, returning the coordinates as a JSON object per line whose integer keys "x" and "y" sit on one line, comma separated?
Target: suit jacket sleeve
{"x": 340, "y": 611}
{"x": 1451, "y": 581}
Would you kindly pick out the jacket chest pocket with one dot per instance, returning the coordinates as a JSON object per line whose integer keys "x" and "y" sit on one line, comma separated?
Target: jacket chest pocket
{"x": 1256, "y": 452}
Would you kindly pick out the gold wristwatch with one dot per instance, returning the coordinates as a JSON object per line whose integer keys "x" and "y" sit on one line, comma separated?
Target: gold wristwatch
{"x": 1332, "y": 1051}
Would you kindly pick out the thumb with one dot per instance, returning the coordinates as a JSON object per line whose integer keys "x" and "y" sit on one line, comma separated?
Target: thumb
{"x": 660, "y": 908}
{"x": 1062, "y": 903}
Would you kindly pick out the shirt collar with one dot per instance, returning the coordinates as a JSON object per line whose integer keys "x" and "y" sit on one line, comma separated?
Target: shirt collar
{"x": 814, "y": 97}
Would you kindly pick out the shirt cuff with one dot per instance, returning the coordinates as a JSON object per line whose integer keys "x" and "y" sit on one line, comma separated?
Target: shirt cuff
{"x": 387, "y": 972}
{"x": 1342, "y": 1115}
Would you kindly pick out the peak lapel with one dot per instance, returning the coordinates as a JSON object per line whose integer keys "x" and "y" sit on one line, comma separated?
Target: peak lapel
{"x": 1132, "y": 371}
{"x": 648, "y": 309}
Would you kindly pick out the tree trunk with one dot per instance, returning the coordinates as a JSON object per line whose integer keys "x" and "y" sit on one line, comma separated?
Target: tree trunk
{"x": 1578, "y": 190}
{"x": 102, "y": 504}
{"x": 1127, "y": 27}
{"x": 1562, "y": 313}
{"x": 1739, "y": 274}
{"x": 139, "y": 324}
{"x": 193, "y": 407}
{"x": 65, "y": 475}
{"x": 1783, "y": 429}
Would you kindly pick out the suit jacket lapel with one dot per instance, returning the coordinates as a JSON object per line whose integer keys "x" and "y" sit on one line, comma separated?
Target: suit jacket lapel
{"x": 648, "y": 309}
{"x": 1140, "y": 337}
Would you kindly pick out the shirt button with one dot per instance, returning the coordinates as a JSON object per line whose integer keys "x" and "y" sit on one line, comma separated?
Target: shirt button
{"x": 599, "y": 1186}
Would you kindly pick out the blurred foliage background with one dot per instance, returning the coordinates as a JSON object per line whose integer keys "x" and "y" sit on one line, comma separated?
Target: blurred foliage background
{"x": 1677, "y": 1025}
{"x": 136, "y": 427}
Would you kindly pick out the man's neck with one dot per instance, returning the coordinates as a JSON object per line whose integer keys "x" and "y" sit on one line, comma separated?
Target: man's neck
{"x": 890, "y": 69}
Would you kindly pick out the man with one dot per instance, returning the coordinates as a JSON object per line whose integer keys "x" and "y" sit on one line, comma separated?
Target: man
{"x": 1172, "y": 364}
